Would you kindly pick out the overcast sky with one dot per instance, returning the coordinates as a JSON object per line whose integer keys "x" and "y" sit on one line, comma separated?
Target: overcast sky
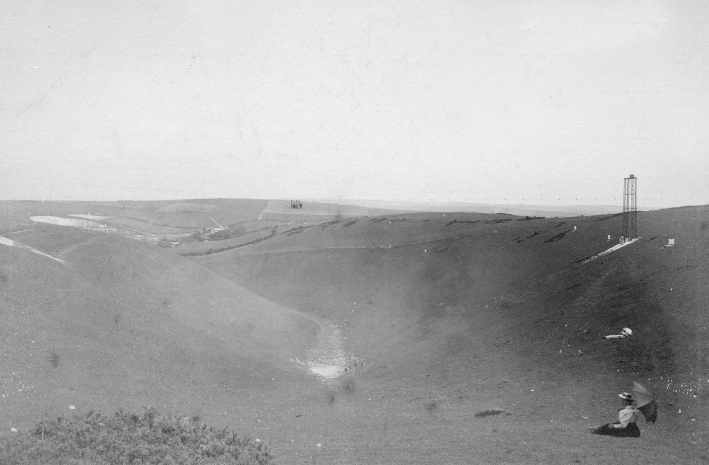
{"x": 550, "y": 102}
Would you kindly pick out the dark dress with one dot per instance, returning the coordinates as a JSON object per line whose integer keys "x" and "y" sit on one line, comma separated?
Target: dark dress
{"x": 630, "y": 431}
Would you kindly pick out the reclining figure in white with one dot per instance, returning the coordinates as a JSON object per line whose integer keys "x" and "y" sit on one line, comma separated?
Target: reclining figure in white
{"x": 624, "y": 333}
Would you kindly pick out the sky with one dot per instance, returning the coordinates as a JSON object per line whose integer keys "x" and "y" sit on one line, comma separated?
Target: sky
{"x": 536, "y": 102}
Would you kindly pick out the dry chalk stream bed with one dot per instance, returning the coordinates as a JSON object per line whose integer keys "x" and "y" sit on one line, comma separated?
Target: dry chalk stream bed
{"x": 328, "y": 359}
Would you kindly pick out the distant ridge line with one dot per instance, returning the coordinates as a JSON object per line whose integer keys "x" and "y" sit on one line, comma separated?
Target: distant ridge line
{"x": 466, "y": 207}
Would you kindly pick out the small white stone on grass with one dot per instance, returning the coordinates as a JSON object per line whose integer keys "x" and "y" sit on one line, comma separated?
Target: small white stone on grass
{"x": 257, "y": 440}
{"x": 71, "y": 407}
{"x": 318, "y": 445}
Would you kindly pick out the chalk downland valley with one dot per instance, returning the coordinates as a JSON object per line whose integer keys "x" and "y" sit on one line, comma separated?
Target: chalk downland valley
{"x": 343, "y": 334}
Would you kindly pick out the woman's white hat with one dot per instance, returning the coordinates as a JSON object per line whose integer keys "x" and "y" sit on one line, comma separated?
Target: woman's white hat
{"x": 628, "y": 331}
{"x": 626, "y": 396}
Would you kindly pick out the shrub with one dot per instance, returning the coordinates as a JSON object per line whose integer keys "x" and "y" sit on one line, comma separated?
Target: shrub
{"x": 498, "y": 220}
{"x": 129, "y": 438}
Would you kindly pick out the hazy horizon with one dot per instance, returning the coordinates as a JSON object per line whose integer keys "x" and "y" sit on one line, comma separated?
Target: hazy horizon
{"x": 371, "y": 203}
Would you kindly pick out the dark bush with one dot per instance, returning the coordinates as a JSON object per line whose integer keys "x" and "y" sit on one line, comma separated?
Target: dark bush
{"x": 129, "y": 438}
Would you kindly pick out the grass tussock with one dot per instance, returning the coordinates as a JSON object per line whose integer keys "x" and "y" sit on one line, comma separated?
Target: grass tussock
{"x": 490, "y": 412}
{"x": 127, "y": 438}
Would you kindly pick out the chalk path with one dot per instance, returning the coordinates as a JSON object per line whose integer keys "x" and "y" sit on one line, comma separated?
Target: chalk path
{"x": 612, "y": 249}
{"x": 11, "y": 243}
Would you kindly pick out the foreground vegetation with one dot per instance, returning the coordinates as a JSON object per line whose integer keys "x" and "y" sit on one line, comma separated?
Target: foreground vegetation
{"x": 127, "y": 438}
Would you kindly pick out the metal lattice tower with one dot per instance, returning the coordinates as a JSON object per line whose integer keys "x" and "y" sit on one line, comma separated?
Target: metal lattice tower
{"x": 630, "y": 208}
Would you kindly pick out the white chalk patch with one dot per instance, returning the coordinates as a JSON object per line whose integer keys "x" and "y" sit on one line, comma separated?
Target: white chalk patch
{"x": 90, "y": 217}
{"x": 11, "y": 243}
{"x": 328, "y": 358}
{"x": 612, "y": 249}
{"x": 71, "y": 222}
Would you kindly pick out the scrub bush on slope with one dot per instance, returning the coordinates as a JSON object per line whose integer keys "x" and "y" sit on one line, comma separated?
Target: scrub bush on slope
{"x": 128, "y": 438}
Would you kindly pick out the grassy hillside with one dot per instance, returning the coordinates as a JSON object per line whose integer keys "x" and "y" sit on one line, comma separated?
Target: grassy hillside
{"x": 190, "y": 214}
{"x": 123, "y": 324}
{"x": 506, "y": 311}
{"x": 476, "y": 336}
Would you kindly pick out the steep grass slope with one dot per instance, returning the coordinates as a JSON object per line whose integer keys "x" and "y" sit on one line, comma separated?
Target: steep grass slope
{"x": 123, "y": 324}
{"x": 509, "y": 310}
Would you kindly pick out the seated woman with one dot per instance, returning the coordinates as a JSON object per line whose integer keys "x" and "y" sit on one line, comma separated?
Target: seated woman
{"x": 626, "y": 426}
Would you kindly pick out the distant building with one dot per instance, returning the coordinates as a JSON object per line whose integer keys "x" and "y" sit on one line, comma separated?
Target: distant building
{"x": 296, "y": 204}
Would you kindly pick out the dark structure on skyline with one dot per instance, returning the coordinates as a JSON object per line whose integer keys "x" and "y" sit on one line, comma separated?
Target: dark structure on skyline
{"x": 630, "y": 209}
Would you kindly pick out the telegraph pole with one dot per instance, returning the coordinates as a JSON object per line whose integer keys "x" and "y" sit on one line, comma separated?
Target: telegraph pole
{"x": 630, "y": 209}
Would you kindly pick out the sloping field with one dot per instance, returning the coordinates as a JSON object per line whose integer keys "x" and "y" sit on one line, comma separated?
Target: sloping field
{"x": 378, "y": 232}
{"x": 145, "y": 227}
{"x": 123, "y": 324}
{"x": 192, "y": 214}
{"x": 502, "y": 314}
{"x": 438, "y": 320}
{"x": 187, "y": 207}
{"x": 209, "y": 247}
